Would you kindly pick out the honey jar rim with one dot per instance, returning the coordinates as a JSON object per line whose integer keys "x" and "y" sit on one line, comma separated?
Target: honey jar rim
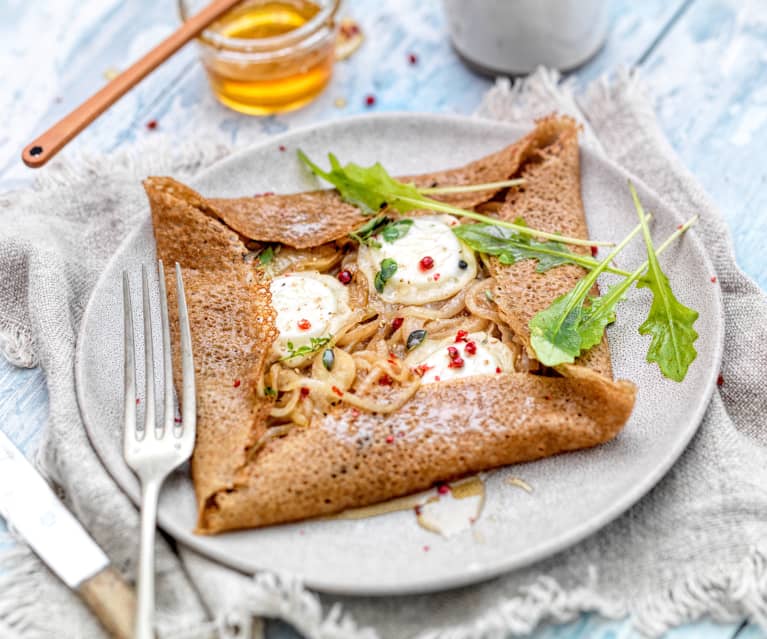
{"x": 323, "y": 18}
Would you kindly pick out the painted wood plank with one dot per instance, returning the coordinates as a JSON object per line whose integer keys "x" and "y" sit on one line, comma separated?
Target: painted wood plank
{"x": 23, "y": 413}
{"x": 113, "y": 33}
{"x": 56, "y": 55}
{"x": 438, "y": 83}
{"x": 634, "y": 27}
{"x": 752, "y": 631}
{"x": 710, "y": 79}
{"x": 587, "y": 627}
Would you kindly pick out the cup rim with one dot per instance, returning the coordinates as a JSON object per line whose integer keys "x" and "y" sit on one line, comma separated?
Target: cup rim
{"x": 324, "y": 18}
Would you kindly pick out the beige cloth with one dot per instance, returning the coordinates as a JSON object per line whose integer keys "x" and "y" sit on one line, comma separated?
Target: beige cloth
{"x": 689, "y": 548}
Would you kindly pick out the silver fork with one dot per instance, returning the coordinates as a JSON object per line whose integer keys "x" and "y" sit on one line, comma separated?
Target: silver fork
{"x": 154, "y": 450}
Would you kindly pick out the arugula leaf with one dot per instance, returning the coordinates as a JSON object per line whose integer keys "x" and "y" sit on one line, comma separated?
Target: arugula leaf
{"x": 576, "y": 322}
{"x": 315, "y": 344}
{"x": 388, "y": 269}
{"x": 364, "y": 234}
{"x": 396, "y": 230}
{"x": 600, "y": 313}
{"x": 511, "y": 247}
{"x": 369, "y": 188}
{"x": 555, "y": 332}
{"x": 669, "y": 322}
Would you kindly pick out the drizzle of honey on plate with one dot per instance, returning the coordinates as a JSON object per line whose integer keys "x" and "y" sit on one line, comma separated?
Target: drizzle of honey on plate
{"x": 265, "y": 83}
{"x": 445, "y": 516}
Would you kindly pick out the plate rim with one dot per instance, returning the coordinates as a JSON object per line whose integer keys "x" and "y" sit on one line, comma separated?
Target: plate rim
{"x": 431, "y": 584}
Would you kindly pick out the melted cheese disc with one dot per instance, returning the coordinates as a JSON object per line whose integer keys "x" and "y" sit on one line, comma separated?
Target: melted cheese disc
{"x": 430, "y": 235}
{"x": 308, "y": 305}
{"x": 492, "y": 357}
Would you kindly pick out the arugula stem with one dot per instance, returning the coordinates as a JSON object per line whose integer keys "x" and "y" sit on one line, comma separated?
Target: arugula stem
{"x": 470, "y": 188}
{"x": 584, "y": 285}
{"x": 591, "y": 263}
{"x": 434, "y": 205}
{"x": 620, "y": 289}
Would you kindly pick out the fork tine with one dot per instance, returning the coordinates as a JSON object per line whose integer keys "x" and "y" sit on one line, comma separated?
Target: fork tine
{"x": 149, "y": 400}
{"x": 129, "y": 371}
{"x": 167, "y": 362}
{"x": 189, "y": 411}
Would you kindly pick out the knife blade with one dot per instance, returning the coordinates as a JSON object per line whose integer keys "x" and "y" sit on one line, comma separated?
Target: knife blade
{"x": 30, "y": 506}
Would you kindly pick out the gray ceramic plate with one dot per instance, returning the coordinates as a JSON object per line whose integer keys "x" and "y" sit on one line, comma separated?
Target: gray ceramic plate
{"x": 574, "y": 494}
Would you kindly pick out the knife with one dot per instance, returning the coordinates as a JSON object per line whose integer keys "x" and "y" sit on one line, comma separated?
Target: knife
{"x": 29, "y": 504}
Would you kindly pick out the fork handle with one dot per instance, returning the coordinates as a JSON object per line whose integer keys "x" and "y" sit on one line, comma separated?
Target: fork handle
{"x": 144, "y": 628}
{"x": 112, "y": 601}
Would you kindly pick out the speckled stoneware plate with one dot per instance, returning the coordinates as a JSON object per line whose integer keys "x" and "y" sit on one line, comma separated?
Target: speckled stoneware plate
{"x": 573, "y": 494}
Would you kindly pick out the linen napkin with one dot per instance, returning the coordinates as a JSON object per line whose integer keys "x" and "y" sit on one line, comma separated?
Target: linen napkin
{"x": 694, "y": 546}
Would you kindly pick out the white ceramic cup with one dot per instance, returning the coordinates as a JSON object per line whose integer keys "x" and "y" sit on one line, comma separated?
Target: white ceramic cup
{"x": 516, "y": 36}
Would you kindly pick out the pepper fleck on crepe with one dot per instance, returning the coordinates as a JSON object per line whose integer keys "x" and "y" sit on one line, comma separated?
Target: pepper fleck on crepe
{"x": 404, "y": 372}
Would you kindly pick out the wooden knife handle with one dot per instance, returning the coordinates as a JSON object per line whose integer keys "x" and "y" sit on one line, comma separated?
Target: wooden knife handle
{"x": 112, "y": 600}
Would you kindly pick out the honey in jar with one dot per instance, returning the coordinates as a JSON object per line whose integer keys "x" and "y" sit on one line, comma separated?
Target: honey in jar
{"x": 268, "y": 56}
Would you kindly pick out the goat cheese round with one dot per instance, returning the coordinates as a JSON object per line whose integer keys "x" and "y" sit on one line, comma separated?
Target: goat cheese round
{"x": 432, "y": 263}
{"x": 310, "y": 306}
{"x": 462, "y": 356}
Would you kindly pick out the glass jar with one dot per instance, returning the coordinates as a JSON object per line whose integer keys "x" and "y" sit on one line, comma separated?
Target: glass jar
{"x": 268, "y": 56}
{"x": 501, "y": 37}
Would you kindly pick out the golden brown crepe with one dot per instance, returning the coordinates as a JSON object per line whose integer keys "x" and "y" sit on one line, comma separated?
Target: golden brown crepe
{"x": 347, "y": 458}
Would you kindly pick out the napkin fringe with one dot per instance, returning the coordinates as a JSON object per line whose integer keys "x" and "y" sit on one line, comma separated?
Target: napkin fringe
{"x": 284, "y": 596}
{"x": 725, "y": 594}
{"x": 544, "y": 600}
{"x": 18, "y": 347}
{"x": 20, "y": 587}
{"x": 156, "y": 155}
{"x": 522, "y": 100}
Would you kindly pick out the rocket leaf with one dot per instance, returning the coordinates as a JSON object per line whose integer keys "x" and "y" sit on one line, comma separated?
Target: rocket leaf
{"x": 371, "y": 188}
{"x": 511, "y": 247}
{"x": 669, "y": 322}
{"x": 368, "y": 188}
{"x": 556, "y": 332}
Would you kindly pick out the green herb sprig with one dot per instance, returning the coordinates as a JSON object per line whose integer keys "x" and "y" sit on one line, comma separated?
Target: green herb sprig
{"x": 315, "y": 344}
{"x": 364, "y": 234}
{"x": 396, "y": 230}
{"x": 266, "y": 256}
{"x": 390, "y": 230}
{"x": 388, "y": 269}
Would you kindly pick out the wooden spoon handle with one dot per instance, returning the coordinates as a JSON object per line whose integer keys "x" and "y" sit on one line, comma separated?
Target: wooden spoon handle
{"x": 53, "y": 140}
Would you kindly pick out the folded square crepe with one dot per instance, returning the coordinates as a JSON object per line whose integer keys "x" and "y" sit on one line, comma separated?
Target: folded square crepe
{"x": 451, "y": 429}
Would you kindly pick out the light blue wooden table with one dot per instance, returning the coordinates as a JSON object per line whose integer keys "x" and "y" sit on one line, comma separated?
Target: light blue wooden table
{"x": 705, "y": 60}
